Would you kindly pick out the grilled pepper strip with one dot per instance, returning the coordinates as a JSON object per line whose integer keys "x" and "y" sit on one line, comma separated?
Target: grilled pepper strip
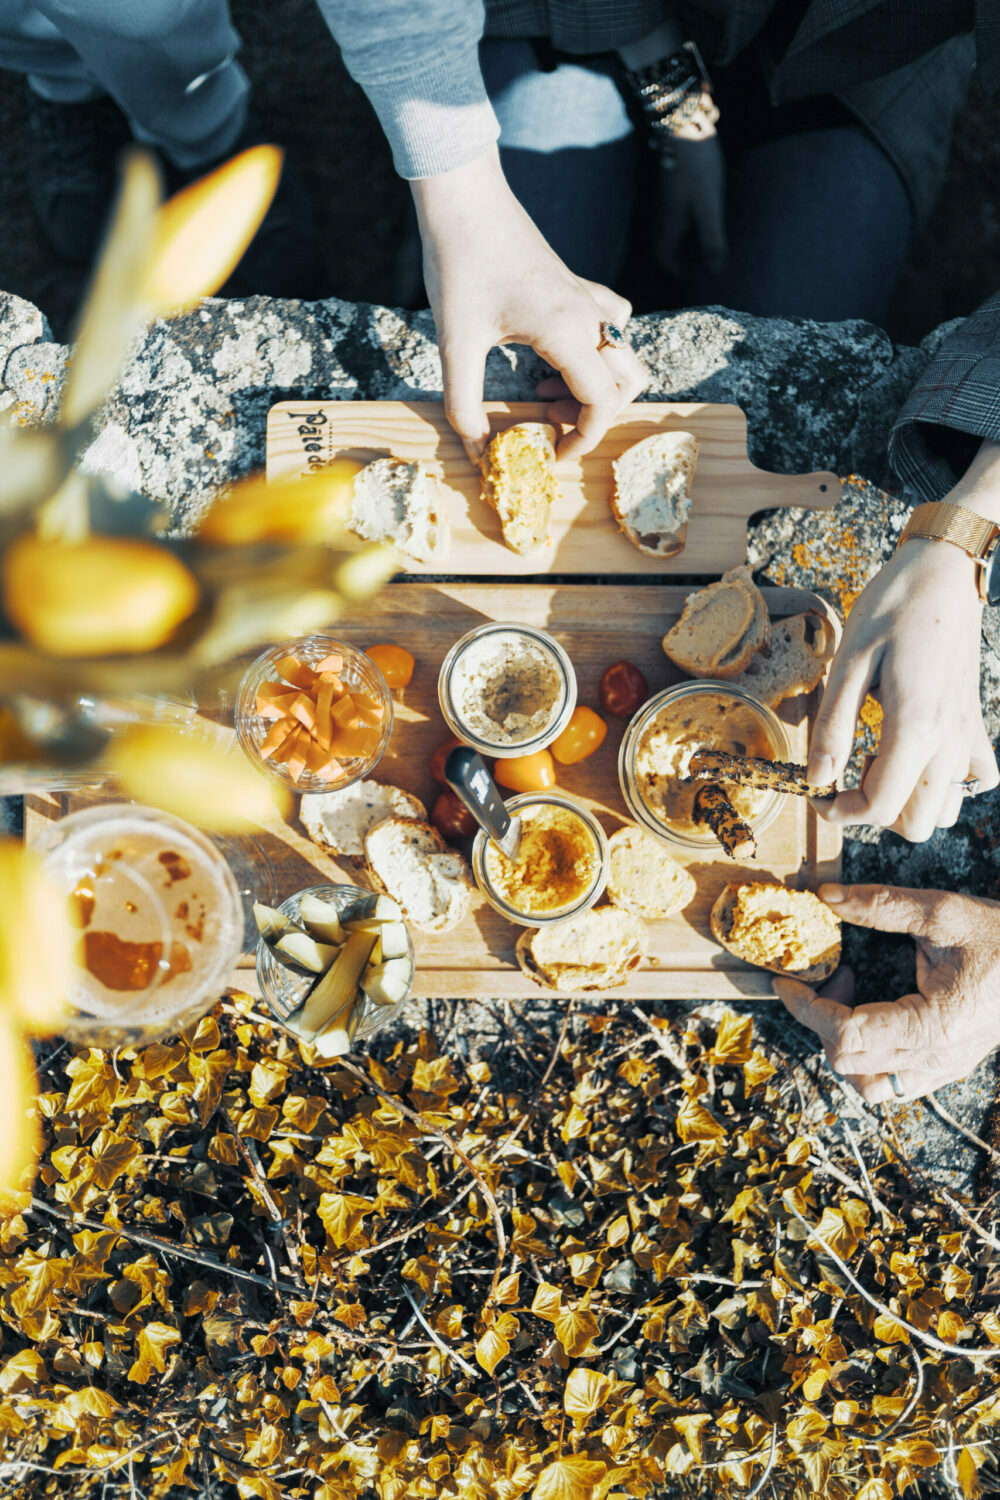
{"x": 745, "y": 770}
{"x": 712, "y": 806}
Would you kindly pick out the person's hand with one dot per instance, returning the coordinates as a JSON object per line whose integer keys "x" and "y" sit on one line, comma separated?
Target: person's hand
{"x": 692, "y": 195}
{"x": 912, "y": 639}
{"x": 492, "y": 279}
{"x": 926, "y": 1039}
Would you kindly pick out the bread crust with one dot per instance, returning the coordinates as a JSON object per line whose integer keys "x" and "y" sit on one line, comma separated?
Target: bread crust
{"x": 737, "y": 657}
{"x": 456, "y": 909}
{"x": 310, "y": 815}
{"x": 721, "y": 921}
{"x": 567, "y": 982}
{"x": 669, "y": 543}
{"x": 800, "y": 650}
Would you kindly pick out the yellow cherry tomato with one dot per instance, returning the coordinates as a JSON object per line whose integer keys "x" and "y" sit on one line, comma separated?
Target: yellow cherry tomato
{"x": 582, "y": 736}
{"x": 394, "y": 662}
{"x": 526, "y": 773}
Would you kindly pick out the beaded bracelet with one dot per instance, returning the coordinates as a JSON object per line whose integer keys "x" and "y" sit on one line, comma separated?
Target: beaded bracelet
{"x": 672, "y": 92}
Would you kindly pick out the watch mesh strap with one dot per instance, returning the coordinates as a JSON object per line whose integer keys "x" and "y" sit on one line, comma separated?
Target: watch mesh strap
{"x": 942, "y": 522}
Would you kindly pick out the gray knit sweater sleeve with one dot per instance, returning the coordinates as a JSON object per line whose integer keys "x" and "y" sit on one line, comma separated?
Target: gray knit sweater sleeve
{"x": 418, "y": 62}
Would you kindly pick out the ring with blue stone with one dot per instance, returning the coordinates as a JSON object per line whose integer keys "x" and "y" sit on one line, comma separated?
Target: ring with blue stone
{"x": 611, "y": 337}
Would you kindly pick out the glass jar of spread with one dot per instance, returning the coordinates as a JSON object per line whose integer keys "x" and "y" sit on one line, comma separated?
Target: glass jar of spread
{"x": 561, "y": 866}
{"x": 507, "y": 690}
{"x": 666, "y": 732}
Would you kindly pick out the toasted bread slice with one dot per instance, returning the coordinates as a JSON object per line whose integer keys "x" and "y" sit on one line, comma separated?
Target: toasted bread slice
{"x": 339, "y": 820}
{"x": 651, "y": 497}
{"x": 722, "y": 627}
{"x": 800, "y": 649}
{"x": 643, "y": 878}
{"x": 775, "y": 928}
{"x": 411, "y": 862}
{"x": 595, "y": 951}
{"x": 518, "y": 483}
{"x": 400, "y": 503}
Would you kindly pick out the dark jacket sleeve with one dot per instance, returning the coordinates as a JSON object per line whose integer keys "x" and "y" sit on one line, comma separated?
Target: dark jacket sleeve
{"x": 953, "y": 406}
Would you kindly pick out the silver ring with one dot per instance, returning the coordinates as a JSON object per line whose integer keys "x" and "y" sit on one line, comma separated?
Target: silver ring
{"x": 899, "y": 1092}
{"x": 970, "y": 786}
{"x": 611, "y": 338}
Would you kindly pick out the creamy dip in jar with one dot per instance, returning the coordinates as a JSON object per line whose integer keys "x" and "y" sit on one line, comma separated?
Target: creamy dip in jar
{"x": 507, "y": 689}
{"x": 560, "y": 867}
{"x": 664, "y": 735}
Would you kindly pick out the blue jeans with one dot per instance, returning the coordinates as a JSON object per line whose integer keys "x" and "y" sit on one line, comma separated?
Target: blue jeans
{"x": 576, "y": 162}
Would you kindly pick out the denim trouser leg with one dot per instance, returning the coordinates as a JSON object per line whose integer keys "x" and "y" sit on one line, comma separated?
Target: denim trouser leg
{"x": 819, "y": 224}
{"x": 168, "y": 64}
{"x": 568, "y": 150}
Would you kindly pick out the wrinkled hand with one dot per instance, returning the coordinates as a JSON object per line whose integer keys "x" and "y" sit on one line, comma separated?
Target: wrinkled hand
{"x": 493, "y": 279}
{"x": 929, "y": 1038}
{"x": 692, "y": 195}
{"x": 913, "y": 639}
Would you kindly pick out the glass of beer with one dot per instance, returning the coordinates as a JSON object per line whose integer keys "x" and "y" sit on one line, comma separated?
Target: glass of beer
{"x": 159, "y": 918}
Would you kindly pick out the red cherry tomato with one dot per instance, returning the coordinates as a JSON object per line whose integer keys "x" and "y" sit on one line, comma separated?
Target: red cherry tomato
{"x": 394, "y": 662}
{"x": 623, "y": 689}
{"x": 451, "y": 819}
{"x": 582, "y": 736}
{"x": 526, "y": 773}
{"x": 440, "y": 756}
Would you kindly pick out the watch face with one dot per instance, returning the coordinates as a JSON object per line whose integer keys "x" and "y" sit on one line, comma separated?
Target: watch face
{"x": 992, "y": 579}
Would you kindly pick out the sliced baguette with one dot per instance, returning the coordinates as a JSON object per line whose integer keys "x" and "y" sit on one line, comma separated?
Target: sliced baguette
{"x": 775, "y": 928}
{"x": 411, "y": 862}
{"x": 595, "y": 951}
{"x": 643, "y": 878}
{"x": 800, "y": 649}
{"x": 339, "y": 820}
{"x": 651, "y": 496}
{"x": 721, "y": 629}
{"x": 400, "y": 503}
{"x": 518, "y": 483}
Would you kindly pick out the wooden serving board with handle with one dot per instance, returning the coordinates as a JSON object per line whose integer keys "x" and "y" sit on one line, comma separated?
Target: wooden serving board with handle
{"x": 597, "y": 624}
{"x": 585, "y": 537}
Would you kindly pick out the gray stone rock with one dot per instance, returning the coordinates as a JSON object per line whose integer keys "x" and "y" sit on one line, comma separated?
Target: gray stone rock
{"x": 21, "y": 324}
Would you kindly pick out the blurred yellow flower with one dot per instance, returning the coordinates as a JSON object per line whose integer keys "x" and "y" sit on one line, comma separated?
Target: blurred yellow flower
{"x": 211, "y": 785}
{"x": 36, "y": 942}
{"x": 313, "y": 509}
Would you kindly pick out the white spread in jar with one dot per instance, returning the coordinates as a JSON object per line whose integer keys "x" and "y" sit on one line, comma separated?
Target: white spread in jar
{"x": 506, "y": 688}
{"x": 709, "y": 720}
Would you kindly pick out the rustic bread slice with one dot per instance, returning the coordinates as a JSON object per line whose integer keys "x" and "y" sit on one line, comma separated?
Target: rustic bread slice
{"x": 796, "y": 660}
{"x": 721, "y": 628}
{"x": 643, "y": 878}
{"x": 595, "y": 951}
{"x": 400, "y": 503}
{"x": 651, "y": 496}
{"x": 411, "y": 862}
{"x": 339, "y": 820}
{"x": 518, "y": 483}
{"x": 775, "y": 928}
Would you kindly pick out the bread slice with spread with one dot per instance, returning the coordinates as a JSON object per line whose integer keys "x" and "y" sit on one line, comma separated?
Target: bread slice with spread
{"x": 340, "y": 820}
{"x": 643, "y": 878}
{"x": 518, "y": 483}
{"x": 400, "y": 503}
{"x": 721, "y": 629}
{"x": 596, "y": 950}
{"x": 651, "y": 496}
{"x": 411, "y": 862}
{"x": 776, "y": 928}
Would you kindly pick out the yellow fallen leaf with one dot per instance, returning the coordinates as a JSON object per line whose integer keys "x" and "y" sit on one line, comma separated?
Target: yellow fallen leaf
{"x": 202, "y": 232}
{"x": 571, "y": 1478}
{"x": 213, "y": 786}
{"x": 491, "y": 1349}
{"x": 586, "y": 1392}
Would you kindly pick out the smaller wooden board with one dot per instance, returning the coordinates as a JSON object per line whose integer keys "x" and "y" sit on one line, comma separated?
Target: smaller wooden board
{"x": 597, "y": 624}
{"x": 585, "y": 537}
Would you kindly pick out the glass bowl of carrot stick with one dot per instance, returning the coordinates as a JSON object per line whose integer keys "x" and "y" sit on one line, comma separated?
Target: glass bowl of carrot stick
{"x": 314, "y": 714}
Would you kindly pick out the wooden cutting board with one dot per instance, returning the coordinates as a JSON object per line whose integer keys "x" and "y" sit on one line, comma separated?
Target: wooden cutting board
{"x": 585, "y": 538}
{"x": 597, "y": 624}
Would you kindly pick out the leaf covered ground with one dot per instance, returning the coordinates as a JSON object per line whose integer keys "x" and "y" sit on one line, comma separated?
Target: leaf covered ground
{"x": 608, "y": 1263}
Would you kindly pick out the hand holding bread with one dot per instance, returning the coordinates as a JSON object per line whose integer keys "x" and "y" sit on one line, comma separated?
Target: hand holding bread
{"x": 931, "y": 1037}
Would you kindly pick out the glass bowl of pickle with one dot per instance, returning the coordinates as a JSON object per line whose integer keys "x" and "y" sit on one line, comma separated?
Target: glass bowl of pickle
{"x": 335, "y": 964}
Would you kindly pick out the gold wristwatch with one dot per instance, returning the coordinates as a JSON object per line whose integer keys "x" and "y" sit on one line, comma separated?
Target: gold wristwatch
{"x": 940, "y": 521}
